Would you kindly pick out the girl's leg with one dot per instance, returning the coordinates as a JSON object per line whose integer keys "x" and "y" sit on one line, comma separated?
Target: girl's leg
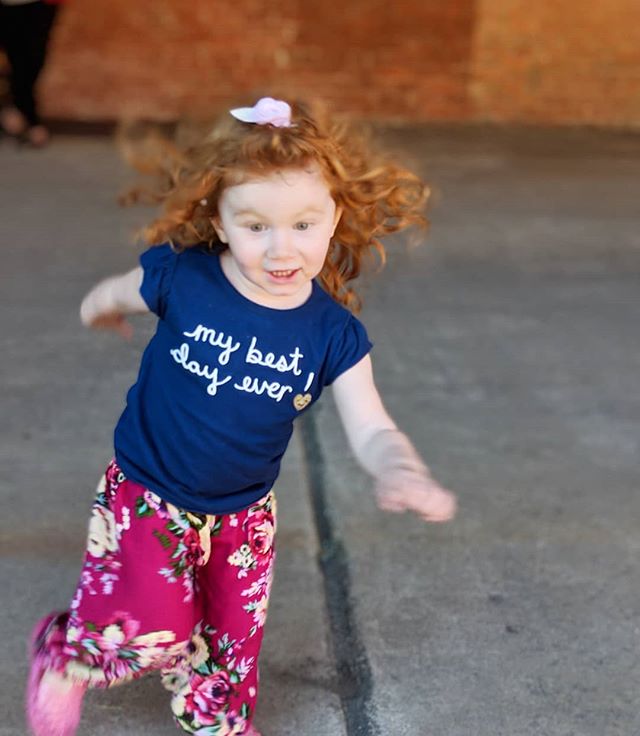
{"x": 133, "y": 610}
{"x": 216, "y": 687}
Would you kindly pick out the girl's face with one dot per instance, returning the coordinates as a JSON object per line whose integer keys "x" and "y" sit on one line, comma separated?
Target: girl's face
{"x": 278, "y": 230}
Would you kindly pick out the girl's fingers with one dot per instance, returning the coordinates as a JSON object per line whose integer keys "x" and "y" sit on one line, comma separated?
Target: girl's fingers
{"x": 438, "y": 516}
{"x": 126, "y": 329}
{"x": 431, "y": 503}
{"x": 115, "y": 322}
{"x": 391, "y": 506}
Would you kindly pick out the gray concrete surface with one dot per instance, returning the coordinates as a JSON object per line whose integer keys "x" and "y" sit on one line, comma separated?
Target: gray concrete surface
{"x": 507, "y": 347}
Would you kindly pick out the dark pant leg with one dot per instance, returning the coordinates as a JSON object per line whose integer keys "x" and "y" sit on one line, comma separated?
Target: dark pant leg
{"x": 26, "y": 36}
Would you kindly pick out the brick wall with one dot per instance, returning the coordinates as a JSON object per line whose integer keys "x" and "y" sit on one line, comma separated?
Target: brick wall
{"x": 558, "y": 61}
{"x": 503, "y": 60}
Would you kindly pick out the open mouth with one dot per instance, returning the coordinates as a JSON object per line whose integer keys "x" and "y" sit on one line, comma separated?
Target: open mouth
{"x": 283, "y": 274}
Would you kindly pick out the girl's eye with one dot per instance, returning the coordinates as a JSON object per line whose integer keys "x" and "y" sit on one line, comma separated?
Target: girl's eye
{"x": 303, "y": 225}
{"x": 256, "y": 227}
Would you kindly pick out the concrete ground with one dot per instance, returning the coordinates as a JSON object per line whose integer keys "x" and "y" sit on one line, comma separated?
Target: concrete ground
{"x": 506, "y": 346}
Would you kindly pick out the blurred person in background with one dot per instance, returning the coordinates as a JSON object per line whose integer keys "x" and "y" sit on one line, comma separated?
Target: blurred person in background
{"x": 25, "y": 28}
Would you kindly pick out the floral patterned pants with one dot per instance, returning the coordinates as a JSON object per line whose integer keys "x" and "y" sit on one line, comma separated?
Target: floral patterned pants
{"x": 164, "y": 589}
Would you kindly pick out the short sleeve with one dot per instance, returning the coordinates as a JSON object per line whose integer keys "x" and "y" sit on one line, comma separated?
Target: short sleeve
{"x": 158, "y": 265}
{"x": 349, "y": 347}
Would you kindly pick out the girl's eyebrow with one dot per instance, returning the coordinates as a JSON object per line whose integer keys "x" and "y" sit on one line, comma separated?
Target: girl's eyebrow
{"x": 312, "y": 209}
{"x": 241, "y": 213}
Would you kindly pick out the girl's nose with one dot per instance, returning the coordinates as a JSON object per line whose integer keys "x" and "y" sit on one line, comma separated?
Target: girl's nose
{"x": 280, "y": 245}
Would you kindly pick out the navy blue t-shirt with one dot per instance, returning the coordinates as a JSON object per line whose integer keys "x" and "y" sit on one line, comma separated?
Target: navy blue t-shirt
{"x": 208, "y": 420}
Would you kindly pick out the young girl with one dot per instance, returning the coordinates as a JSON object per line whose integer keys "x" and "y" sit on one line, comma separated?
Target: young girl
{"x": 265, "y": 224}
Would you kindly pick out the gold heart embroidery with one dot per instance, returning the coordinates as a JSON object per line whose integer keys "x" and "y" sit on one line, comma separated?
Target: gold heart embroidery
{"x": 300, "y": 401}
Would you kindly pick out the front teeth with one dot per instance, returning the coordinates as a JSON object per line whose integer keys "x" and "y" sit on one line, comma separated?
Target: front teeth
{"x": 280, "y": 274}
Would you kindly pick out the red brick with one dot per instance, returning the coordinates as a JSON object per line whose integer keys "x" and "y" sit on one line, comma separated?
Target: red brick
{"x": 502, "y": 60}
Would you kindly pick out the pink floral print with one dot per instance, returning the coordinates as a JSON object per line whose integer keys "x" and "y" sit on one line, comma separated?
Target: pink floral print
{"x": 212, "y": 576}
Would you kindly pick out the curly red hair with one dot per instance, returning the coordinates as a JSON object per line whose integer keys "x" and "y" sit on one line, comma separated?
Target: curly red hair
{"x": 377, "y": 196}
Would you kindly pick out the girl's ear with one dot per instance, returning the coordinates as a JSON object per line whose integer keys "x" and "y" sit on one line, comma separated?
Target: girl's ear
{"x": 217, "y": 226}
{"x": 336, "y": 219}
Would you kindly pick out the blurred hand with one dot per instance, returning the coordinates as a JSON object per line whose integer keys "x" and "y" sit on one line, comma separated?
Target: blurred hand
{"x": 113, "y": 322}
{"x": 92, "y": 316}
{"x": 107, "y": 305}
{"x": 403, "y": 489}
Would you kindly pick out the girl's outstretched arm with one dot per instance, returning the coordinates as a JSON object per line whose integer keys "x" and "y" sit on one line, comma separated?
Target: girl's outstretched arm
{"x": 108, "y": 303}
{"x": 402, "y": 480}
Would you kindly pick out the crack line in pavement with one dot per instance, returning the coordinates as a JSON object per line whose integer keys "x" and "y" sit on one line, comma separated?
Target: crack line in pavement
{"x": 355, "y": 682}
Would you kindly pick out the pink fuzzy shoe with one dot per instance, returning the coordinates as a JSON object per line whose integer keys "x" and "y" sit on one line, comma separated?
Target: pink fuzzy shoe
{"x": 53, "y": 702}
